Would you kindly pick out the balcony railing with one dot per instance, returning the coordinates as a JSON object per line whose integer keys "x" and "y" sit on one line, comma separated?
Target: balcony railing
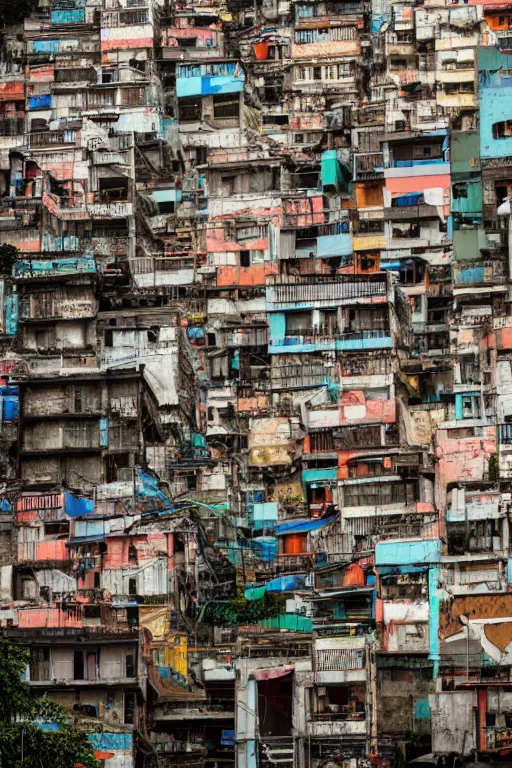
{"x": 33, "y": 618}
{"x": 324, "y": 337}
{"x": 251, "y": 337}
{"x": 339, "y": 659}
{"x": 289, "y": 376}
{"x": 368, "y": 165}
{"x": 316, "y": 289}
{"x": 49, "y": 138}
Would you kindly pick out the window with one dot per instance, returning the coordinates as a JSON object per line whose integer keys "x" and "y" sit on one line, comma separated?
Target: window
{"x": 305, "y": 11}
{"x": 502, "y": 130}
{"x": 460, "y": 190}
{"x": 132, "y": 586}
{"x": 101, "y": 98}
{"x": 377, "y": 494}
{"x": 245, "y": 258}
{"x": 109, "y": 76}
{"x": 166, "y": 206}
{"x": 85, "y": 665}
{"x": 40, "y": 664}
{"x": 189, "y": 110}
{"x": 78, "y": 404}
{"x": 134, "y": 17}
{"x": 228, "y": 185}
{"x": 406, "y": 586}
{"x": 129, "y": 708}
{"x": 471, "y": 407}
{"x": 297, "y": 322}
{"x": 130, "y": 670}
{"x": 346, "y": 702}
{"x": 133, "y": 96}
{"x": 225, "y": 105}
{"x": 132, "y": 554}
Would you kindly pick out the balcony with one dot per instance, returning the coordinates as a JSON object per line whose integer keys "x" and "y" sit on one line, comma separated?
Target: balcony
{"x": 247, "y": 337}
{"x": 113, "y": 209}
{"x": 419, "y": 211}
{"x": 302, "y": 376}
{"x": 51, "y": 138}
{"x": 39, "y": 618}
{"x": 43, "y": 551}
{"x": 368, "y": 166}
{"x": 290, "y": 293}
{"x": 484, "y": 273}
{"x": 311, "y": 341}
{"x": 59, "y": 671}
{"x": 337, "y": 664}
{"x": 28, "y": 269}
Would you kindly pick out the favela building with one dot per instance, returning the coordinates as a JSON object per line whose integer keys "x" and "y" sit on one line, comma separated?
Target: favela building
{"x": 256, "y": 381}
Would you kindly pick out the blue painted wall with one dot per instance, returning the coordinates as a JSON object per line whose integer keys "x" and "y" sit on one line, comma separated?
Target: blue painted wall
{"x": 334, "y": 245}
{"x": 209, "y": 79}
{"x": 75, "y": 16}
{"x": 412, "y": 552}
{"x": 315, "y": 475}
{"x": 495, "y": 97}
{"x": 111, "y": 741}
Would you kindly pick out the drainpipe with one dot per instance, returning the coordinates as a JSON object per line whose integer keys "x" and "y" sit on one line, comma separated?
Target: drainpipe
{"x": 372, "y": 667}
{"x": 482, "y": 721}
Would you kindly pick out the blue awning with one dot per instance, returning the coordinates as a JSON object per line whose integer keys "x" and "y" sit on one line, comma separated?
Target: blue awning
{"x": 75, "y": 506}
{"x": 303, "y": 526}
{"x": 286, "y": 583}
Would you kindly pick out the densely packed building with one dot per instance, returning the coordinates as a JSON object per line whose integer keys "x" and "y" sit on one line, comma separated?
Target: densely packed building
{"x": 256, "y": 383}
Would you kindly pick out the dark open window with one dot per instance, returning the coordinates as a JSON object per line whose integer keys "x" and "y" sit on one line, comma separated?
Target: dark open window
{"x": 225, "y": 105}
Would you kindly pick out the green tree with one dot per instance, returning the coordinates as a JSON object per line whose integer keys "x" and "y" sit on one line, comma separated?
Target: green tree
{"x": 239, "y": 610}
{"x": 23, "y": 742}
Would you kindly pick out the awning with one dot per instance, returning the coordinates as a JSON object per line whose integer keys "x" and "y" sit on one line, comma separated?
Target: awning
{"x": 255, "y": 593}
{"x": 287, "y": 583}
{"x": 84, "y": 540}
{"x": 75, "y": 506}
{"x": 303, "y": 526}
{"x": 272, "y": 673}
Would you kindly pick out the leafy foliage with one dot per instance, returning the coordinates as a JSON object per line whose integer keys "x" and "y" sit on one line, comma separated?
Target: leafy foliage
{"x": 22, "y": 741}
{"x": 238, "y": 610}
{"x": 494, "y": 469}
{"x": 8, "y": 255}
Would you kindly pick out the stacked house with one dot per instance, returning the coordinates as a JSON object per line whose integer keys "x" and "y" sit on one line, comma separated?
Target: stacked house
{"x": 255, "y": 377}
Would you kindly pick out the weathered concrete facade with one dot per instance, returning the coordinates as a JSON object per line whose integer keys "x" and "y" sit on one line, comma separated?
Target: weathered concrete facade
{"x": 255, "y": 396}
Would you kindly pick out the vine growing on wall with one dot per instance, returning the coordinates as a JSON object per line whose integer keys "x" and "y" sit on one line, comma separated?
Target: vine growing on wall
{"x": 239, "y": 610}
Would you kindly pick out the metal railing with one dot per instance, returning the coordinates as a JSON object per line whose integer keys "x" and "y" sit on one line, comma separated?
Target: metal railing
{"x": 339, "y": 659}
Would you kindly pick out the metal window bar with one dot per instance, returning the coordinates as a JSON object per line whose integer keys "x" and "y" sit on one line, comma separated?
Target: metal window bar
{"x": 339, "y": 659}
